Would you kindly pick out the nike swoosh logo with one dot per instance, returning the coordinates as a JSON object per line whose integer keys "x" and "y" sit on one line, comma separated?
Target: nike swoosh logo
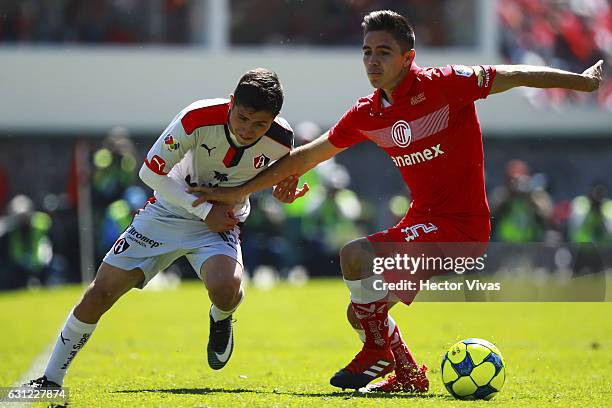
{"x": 225, "y": 355}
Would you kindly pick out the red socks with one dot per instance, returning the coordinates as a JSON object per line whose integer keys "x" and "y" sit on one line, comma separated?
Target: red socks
{"x": 373, "y": 318}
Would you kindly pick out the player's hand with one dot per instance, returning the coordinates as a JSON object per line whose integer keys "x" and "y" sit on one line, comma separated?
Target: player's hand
{"x": 223, "y": 195}
{"x": 221, "y": 218}
{"x": 287, "y": 191}
{"x": 594, "y": 74}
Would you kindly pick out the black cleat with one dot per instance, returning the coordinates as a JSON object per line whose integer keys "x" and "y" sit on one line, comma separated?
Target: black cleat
{"x": 345, "y": 379}
{"x": 220, "y": 343}
{"x": 367, "y": 365}
{"x": 42, "y": 382}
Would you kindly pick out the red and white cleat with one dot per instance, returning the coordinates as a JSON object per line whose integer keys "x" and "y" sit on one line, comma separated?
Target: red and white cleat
{"x": 367, "y": 365}
{"x": 404, "y": 380}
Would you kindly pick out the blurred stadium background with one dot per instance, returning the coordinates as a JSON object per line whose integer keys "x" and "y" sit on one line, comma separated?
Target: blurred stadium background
{"x": 87, "y": 86}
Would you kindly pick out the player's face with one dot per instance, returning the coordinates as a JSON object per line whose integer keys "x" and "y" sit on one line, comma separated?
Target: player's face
{"x": 383, "y": 59}
{"x": 248, "y": 124}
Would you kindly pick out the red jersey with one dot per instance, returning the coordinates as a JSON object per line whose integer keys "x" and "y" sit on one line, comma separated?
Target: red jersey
{"x": 432, "y": 134}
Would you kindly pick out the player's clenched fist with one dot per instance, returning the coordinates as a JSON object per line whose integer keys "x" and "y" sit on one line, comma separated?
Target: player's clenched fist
{"x": 221, "y": 218}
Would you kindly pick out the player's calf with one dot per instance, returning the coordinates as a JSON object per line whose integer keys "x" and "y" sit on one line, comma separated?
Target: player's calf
{"x": 222, "y": 276}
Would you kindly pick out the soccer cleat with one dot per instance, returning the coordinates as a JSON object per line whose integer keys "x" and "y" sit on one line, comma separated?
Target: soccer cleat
{"x": 220, "y": 343}
{"x": 367, "y": 365}
{"x": 42, "y": 382}
{"x": 405, "y": 380}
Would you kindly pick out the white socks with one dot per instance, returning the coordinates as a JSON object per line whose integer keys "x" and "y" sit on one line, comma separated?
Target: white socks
{"x": 218, "y": 314}
{"x": 72, "y": 338}
{"x": 363, "y": 290}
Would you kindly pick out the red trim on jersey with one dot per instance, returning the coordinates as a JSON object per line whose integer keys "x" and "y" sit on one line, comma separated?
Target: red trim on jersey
{"x": 229, "y": 156}
{"x": 206, "y": 116}
{"x": 156, "y": 165}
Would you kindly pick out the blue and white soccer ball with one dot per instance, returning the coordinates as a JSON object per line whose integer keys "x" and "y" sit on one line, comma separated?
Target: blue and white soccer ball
{"x": 473, "y": 369}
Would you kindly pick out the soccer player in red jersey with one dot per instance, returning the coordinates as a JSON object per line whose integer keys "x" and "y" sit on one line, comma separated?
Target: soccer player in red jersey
{"x": 425, "y": 120}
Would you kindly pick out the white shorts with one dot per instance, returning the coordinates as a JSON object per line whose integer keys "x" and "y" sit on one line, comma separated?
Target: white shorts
{"x": 156, "y": 238}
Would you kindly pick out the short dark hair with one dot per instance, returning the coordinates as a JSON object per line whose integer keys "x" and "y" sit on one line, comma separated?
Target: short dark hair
{"x": 260, "y": 90}
{"x": 393, "y": 23}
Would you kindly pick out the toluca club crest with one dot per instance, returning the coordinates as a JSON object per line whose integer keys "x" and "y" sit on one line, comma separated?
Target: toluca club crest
{"x": 401, "y": 133}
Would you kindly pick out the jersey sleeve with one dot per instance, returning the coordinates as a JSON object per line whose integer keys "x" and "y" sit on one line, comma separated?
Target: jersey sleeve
{"x": 462, "y": 84}
{"x": 170, "y": 147}
{"x": 345, "y": 133}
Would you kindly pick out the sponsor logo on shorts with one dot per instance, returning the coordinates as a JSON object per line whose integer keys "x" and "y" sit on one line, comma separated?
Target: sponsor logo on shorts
{"x": 414, "y": 231}
{"x": 424, "y": 155}
{"x": 140, "y": 239}
{"x": 120, "y": 246}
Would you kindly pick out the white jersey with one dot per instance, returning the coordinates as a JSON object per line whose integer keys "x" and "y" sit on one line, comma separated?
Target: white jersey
{"x": 197, "y": 149}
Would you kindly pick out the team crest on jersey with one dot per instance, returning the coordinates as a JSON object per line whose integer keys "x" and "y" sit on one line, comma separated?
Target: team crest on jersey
{"x": 120, "y": 246}
{"x": 261, "y": 161}
{"x": 170, "y": 143}
{"x": 401, "y": 133}
{"x": 463, "y": 70}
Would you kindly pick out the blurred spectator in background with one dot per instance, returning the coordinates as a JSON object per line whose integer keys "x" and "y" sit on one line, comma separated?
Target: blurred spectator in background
{"x": 118, "y": 217}
{"x": 591, "y": 217}
{"x": 281, "y": 22}
{"x": 260, "y": 22}
{"x": 114, "y": 171}
{"x": 520, "y": 208}
{"x": 95, "y": 22}
{"x": 590, "y": 229}
{"x": 25, "y": 242}
{"x": 4, "y": 189}
{"x": 114, "y": 167}
{"x": 563, "y": 34}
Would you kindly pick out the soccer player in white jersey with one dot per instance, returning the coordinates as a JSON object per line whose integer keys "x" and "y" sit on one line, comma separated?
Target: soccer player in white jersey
{"x": 212, "y": 142}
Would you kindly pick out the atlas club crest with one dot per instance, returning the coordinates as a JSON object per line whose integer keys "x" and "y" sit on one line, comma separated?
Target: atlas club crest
{"x": 401, "y": 133}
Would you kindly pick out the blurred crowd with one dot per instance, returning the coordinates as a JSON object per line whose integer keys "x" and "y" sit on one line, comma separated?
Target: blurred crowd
{"x": 277, "y": 22}
{"x": 337, "y": 22}
{"x": 40, "y": 241}
{"x": 95, "y": 21}
{"x": 566, "y": 34}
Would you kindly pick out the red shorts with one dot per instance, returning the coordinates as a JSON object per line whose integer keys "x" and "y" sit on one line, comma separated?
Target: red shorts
{"x": 437, "y": 241}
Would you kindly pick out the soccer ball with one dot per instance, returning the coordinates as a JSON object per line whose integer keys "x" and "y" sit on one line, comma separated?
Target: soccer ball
{"x": 473, "y": 369}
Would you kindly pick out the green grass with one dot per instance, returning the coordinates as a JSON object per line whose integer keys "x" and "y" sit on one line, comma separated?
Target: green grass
{"x": 149, "y": 350}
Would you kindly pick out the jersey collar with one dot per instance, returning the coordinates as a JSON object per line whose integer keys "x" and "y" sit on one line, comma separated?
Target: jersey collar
{"x": 400, "y": 93}
{"x": 232, "y": 143}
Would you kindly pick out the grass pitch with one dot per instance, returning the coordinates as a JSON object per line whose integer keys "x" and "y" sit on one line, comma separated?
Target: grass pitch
{"x": 150, "y": 349}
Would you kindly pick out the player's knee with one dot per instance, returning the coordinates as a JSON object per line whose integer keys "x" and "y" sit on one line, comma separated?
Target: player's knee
{"x": 352, "y": 258}
{"x": 223, "y": 278}
{"x": 226, "y": 286}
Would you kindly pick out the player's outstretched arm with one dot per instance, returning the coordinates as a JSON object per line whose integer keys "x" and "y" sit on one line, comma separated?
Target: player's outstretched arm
{"x": 297, "y": 162}
{"x": 512, "y": 76}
